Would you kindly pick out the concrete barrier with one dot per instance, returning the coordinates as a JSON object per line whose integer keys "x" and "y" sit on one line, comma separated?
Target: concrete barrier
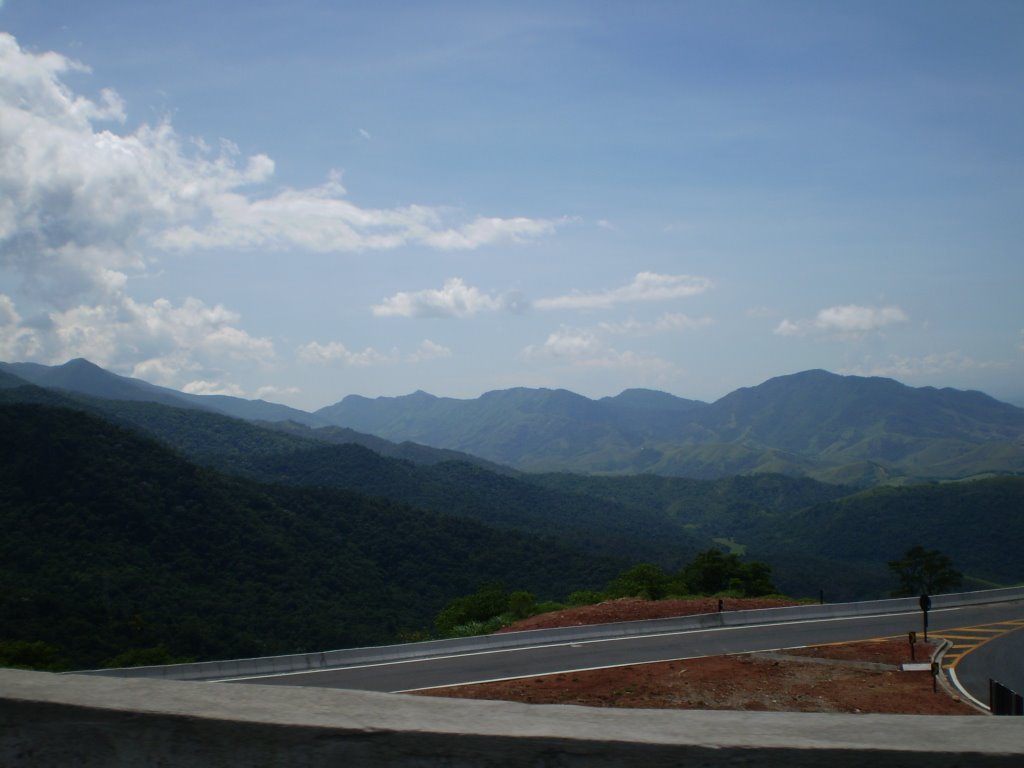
{"x": 233, "y": 668}
{"x": 95, "y": 722}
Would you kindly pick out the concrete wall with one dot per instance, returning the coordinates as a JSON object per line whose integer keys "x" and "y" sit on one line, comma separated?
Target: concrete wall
{"x": 97, "y": 722}
{"x": 220, "y": 670}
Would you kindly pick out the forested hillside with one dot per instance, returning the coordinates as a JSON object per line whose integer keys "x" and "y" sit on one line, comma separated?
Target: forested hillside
{"x": 979, "y": 524}
{"x": 111, "y": 543}
{"x": 824, "y": 537}
{"x": 847, "y": 430}
{"x": 459, "y": 488}
{"x": 137, "y": 525}
{"x": 843, "y": 429}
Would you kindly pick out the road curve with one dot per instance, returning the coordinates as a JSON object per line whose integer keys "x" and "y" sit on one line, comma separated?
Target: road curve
{"x": 1001, "y": 658}
{"x": 575, "y": 656}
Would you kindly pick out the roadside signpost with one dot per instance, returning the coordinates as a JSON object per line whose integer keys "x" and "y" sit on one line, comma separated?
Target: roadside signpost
{"x": 926, "y": 603}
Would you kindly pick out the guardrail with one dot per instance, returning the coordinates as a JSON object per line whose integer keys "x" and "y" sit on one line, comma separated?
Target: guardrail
{"x": 304, "y": 662}
{"x": 1003, "y": 700}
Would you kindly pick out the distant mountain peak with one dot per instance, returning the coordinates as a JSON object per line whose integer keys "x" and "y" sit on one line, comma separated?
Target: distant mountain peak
{"x": 81, "y": 363}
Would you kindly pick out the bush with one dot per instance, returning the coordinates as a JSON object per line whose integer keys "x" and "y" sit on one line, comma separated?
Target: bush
{"x": 145, "y": 657}
{"x": 586, "y": 597}
{"x": 645, "y": 580}
{"x": 488, "y": 601}
{"x": 522, "y": 604}
{"x": 24, "y": 654}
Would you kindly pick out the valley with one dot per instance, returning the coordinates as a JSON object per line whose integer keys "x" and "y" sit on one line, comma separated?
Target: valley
{"x": 162, "y": 527}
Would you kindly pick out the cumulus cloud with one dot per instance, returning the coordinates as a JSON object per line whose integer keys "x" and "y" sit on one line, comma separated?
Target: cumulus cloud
{"x": 646, "y": 286}
{"x": 909, "y": 367}
{"x": 670, "y": 321}
{"x": 429, "y": 350}
{"x": 849, "y": 320}
{"x": 454, "y": 299}
{"x": 855, "y": 319}
{"x": 202, "y": 387}
{"x": 84, "y": 203}
{"x": 16, "y": 342}
{"x": 320, "y": 219}
{"x": 567, "y": 342}
{"x": 583, "y": 348}
{"x": 155, "y": 341}
{"x": 71, "y": 185}
{"x": 335, "y": 351}
{"x": 276, "y": 392}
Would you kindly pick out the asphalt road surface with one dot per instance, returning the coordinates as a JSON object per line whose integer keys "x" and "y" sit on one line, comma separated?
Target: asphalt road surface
{"x": 524, "y": 662}
{"x": 1001, "y": 658}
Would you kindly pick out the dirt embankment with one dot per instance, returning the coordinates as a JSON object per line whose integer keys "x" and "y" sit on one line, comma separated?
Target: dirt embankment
{"x": 856, "y": 677}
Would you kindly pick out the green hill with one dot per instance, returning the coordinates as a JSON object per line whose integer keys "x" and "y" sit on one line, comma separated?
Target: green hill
{"x": 847, "y": 429}
{"x": 112, "y": 542}
{"x": 841, "y": 429}
{"x": 978, "y": 523}
{"x": 298, "y": 456}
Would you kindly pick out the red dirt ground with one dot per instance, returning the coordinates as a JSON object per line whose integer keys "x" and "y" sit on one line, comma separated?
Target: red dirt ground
{"x": 857, "y": 677}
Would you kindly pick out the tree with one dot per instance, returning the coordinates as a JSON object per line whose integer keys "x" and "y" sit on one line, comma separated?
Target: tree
{"x": 644, "y": 580}
{"x": 754, "y": 580}
{"x": 487, "y": 602}
{"x": 924, "y": 572}
{"x": 714, "y": 571}
{"x": 710, "y": 572}
{"x": 521, "y": 604}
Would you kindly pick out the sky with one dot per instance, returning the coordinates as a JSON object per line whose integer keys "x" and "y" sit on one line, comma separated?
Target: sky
{"x": 306, "y": 200}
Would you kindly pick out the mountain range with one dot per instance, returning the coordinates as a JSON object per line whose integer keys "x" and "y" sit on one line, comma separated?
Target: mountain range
{"x": 135, "y": 517}
{"x": 851, "y": 430}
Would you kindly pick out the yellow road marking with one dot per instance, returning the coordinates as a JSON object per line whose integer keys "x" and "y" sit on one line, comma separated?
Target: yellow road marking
{"x": 964, "y": 640}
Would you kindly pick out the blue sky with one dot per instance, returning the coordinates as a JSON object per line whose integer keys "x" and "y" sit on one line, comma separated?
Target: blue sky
{"x": 299, "y": 201}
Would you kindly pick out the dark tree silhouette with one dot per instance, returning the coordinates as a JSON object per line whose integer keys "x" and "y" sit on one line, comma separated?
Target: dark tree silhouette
{"x": 924, "y": 572}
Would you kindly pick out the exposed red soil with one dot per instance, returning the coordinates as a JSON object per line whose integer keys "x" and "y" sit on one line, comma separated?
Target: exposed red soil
{"x": 635, "y": 609}
{"x": 855, "y": 677}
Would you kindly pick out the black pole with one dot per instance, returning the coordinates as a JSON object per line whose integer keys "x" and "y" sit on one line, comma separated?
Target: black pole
{"x": 925, "y": 602}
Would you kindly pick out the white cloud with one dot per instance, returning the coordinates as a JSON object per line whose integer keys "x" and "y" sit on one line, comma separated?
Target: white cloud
{"x": 276, "y": 392}
{"x": 582, "y": 348}
{"x": 429, "y": 350}
{"x": 909, "y": 367}
{"x": 8, "y": 314}
{"x": 614, "y": 359}
{"x": 646, "y": 286}
{"x": 568, "y": 342}
{"x": 670, "y": 321}
{"x": 158, "y": 337}
{"x": 335, "y": 351}
{"x": 157, "y": 341}
{"x": 85, "y": 203}
{"x": 789, "y": 328}
{"x": 16, "y": 342}
{"x": 201, "y": 387}
{"x": 454, "y": 299}
{"x": 320, "y": 219}
{"x": 849, "y": 320}
{"x": 69, "y": 185}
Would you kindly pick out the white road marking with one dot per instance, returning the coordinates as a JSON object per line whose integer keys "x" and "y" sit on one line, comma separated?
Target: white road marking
{"x": 574, "y": 644}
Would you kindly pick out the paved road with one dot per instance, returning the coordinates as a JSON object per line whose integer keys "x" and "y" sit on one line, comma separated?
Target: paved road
{"x": 1000, "y": 655}
{"x": 495, "y": 665}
